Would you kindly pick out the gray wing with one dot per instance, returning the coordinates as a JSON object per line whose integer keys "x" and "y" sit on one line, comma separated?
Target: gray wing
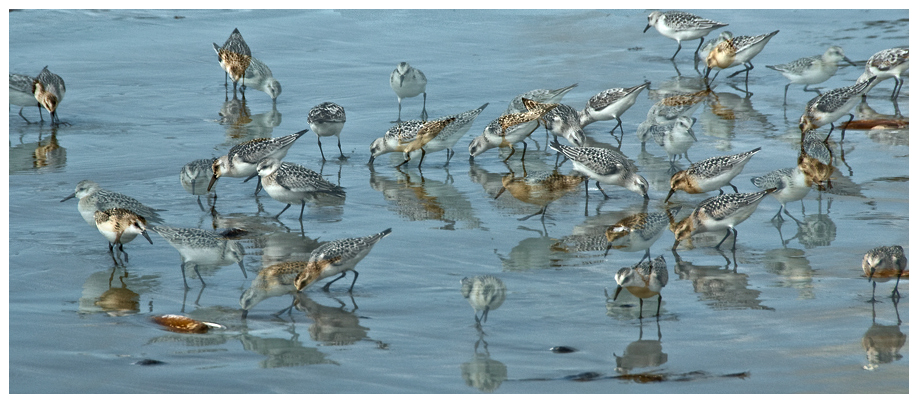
{"x": 301, "y": 179}
{"x": 21, "y": 83}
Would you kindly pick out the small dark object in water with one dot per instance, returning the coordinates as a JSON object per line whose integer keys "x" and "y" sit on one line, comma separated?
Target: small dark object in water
{"x": 149, "y": 362}
{"x": 562, "y": 349}
{"x": 584, "y": 377}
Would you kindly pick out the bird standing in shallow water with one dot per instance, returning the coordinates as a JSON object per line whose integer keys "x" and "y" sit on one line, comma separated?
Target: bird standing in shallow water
{"x": 606, "y": 166}
{"x": 721, "y": 212}
{"x": 883, "y": 263}
{"x": 120, "y": 226}
{"x": 826, "y": 108}
{"x": 709, "y": 174}
{"x": 21, "y": 94}
{"x": 242, "y": 159}
{"x": 234, "y": 57}
{"x": 811, "y": 70}
{"x": 408, "y": 82}
{"x": 681, "y": 26}
{"x": 644, "y": 280}
{"x": 327, "y": 119}
{"x": 884, "y": 65}
{"x": 49, "y": 91}
{"x": 292, "y": 183}
{"x": 485, "y": 292}
{"x": 337, "y": 257}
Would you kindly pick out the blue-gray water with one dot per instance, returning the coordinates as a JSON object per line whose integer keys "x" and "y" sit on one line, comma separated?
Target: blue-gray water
{"x": 144, "y": 96}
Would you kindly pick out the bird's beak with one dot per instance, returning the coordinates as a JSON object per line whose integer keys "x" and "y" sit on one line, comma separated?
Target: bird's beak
{"x": 146, "y": 236}
{"x": 669, "y": 195}
{"x": 73, "y": 195}
{"x": 211, "y": 184}
{"x": 646, "y": 28}
{"x": 618, "y": 289}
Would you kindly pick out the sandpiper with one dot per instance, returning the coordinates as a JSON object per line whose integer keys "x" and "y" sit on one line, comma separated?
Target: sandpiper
{"x": 540, "y": 95}
{"x": 271, "y": 281}
{"x": 242, "y": 159}
{"x": 811, "y": 70}
{"x": 884, "y": 65}
{"x": 49, "y": 90}
{"x": 563, "y": 121}
{"x": 408, "y": 82}
{"x": 676, "y": 137}
{"x": 606, "y": 166}
{"x": 406, "y": 131}
{"x": 120, "y": 226}
{"x": 292, "y": 183}
{"x": 791, "y": 184}
{"x": 826, "y": 108}
{"x": 234, "y": 58}
{"x": 736, "y": 51}
{"x": 611, "y": 104}
{"x": 535, "y": 111}
{"x": 709, "y": 174}
{"x": 428, "y": 131}
{"x": 491, "y": 137}
{"x": 202, "y": 248}
{"x": 259, "y": 77}
{"x": 485, "y": 293}
{"x": 337, "y": 257}
{"x": 639, "y": 231}
{"x": 644, "y": 280}
{"x": 882, "y": 263}
{"x": 721, "y": 212}
{"x": 21, "y": 94}
{"x": 681, "y": 26}
{"x": 327, "y": 119}
{"x": 92, "y": 198}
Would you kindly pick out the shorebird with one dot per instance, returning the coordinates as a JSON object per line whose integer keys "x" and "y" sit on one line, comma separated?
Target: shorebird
{"x": 337, "y": 257}
{"x": 722, "y": 212}
{"x": 242, "y": 159}
{"x": 408, "y": 82}
{"x": 681, "y": 26}
{"x": 485, "y": 293}
{"x": 611, "y": 104}
{"x": 709, "y": 174}
{"x": 234, "y": 57}
{"x": 606, "y": 166}
{"x": 826, "y": 108}
{"x": 327, "y": 119}
{"x": 882, "y": 263}
{"x": 292, "y": 183}
{"x": 884, "y": 65}
{"x": 644, "y": 281}
{"x": 811, "y": 70}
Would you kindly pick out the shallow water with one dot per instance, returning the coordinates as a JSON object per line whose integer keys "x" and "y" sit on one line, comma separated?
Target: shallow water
{"x": 788, "y": 314}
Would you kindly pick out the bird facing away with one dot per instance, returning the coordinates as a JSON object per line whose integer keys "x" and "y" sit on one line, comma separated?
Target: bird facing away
{"x": 681, "y": 26}
{"x": 234, "y": 57}
{"x": 882, "y": 263}
{"x": 49, "y": 90}
{"x": 709, "y": 174}
{"x": 408, "y": 82}
{"x": 292, "y": 183}
{"x": 485, "y": 293}
{"x": 644, "y": 280}
{"x": 337, "y": 257}
{"x": 327, "y": 119}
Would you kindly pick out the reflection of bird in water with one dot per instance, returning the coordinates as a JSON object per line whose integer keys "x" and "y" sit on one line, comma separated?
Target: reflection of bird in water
{"x": 483, "y": 372}
{"x": 119, "y": 301}
{"x": 639, "y": 231}
{"x": 882, "y": 343}
{"x": 484, "y": 293}
{"x": 333, "y": 325}
{"x": 643, "y": 281}
{"x": 93, "y": 198}
{"x": 710, "y": 174}
{"x": 721, "y": 287}
{"x": 539, "y": 188}
{"x": 642, "y": 353}
{"x": 120, "y": 226}
{"x": 275, "y": 280}
{"x": 882, "y": 263}
{"x": 337, "y": 257}
{"x": 202, "y": 248}
{"x": 717, "y": 213}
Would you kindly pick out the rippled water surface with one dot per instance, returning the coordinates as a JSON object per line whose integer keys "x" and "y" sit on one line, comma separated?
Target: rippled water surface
{"x": 787, "y": 313}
